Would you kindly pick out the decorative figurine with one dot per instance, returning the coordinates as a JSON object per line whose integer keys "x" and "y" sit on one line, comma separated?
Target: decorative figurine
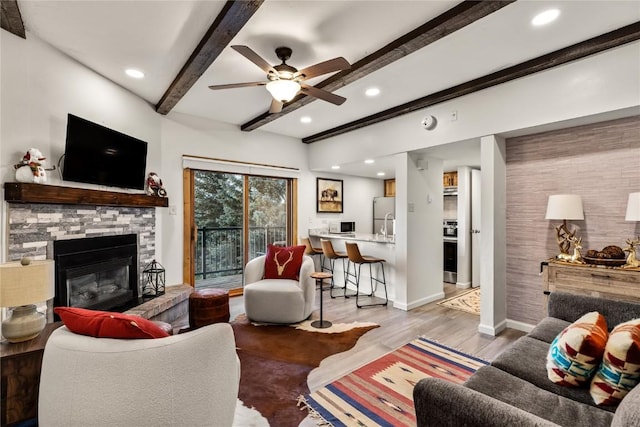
{"x": 576, "y": 257}
{"x": 154, "y": 185}
{"x": 31, "y": 167}
{"x": 632, "y": 260}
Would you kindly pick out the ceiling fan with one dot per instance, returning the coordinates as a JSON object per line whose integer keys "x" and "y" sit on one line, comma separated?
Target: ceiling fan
{"x": 284, "y": 81}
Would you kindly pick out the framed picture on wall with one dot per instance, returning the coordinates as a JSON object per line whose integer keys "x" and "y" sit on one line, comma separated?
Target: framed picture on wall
{"x": 329, "y": 195}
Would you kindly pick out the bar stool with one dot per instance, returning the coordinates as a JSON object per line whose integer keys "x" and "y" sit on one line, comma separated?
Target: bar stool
{"x": 356, "y": 258}
{"x": 311, "y": 251}
{"x": 331, "y": 255}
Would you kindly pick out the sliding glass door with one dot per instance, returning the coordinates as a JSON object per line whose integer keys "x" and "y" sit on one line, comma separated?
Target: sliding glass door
{"x": 234, "y": 218}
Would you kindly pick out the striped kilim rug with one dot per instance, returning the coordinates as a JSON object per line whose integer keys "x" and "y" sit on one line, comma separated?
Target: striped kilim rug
{"x": 381, "y": 392}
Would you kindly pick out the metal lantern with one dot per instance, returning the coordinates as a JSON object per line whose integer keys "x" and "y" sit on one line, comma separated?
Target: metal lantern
{"x": 153, "y": 279}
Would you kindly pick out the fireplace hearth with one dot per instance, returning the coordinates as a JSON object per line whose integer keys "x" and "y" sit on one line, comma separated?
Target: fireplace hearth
{"x": 98, "y": 273}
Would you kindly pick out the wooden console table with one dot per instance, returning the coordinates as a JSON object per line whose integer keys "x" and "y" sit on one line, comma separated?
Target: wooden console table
{"x": 20, "y": 377}
{"x": 586, "y": 279}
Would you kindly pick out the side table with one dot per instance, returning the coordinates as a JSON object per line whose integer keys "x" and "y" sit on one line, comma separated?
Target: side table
{"x": 20, "y": 376}
{"x": 320, "y": 276}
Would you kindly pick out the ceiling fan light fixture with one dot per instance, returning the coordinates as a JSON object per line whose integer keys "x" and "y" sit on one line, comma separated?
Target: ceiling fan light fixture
{"x": 283, "y": 90}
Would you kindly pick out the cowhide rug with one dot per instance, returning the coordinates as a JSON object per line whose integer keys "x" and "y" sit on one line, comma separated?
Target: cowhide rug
{"x": 275, "y": 361}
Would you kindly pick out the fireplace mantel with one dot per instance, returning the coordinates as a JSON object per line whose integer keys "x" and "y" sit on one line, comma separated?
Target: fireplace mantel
{"x": 19, "y": 192}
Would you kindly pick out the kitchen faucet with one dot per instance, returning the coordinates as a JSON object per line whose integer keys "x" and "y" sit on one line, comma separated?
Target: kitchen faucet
{"x": 386, "y": 229}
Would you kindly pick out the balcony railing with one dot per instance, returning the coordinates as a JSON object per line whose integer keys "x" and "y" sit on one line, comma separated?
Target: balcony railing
{"x": 219, "y": 250}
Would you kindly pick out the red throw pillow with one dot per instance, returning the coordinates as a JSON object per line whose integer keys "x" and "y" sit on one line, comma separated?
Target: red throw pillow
{"x": 104, "y": 324}
{"x": 283, "y": 263}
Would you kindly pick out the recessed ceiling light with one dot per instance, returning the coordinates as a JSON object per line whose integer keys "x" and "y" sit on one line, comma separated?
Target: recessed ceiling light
{"x": 305, "y": 119}
{"x": 369, "y": 161}
{"x": 136, "y": 74}
{"x": 372, "y": 91}
{"x": 380, "y": 173}
{"x": 545, "y": 17}
{"x": 335, "y": 167}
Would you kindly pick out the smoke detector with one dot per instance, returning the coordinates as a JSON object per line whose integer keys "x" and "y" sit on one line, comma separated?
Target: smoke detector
{"x": 429, "y": 122}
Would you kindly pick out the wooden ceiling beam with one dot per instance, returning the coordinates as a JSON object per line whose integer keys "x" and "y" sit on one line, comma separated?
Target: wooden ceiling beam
{"x": 234, "y": 15}
{"x": 457, "y": 17}
{"x": 580, "y": 50}
{"x": 10, "y": 18}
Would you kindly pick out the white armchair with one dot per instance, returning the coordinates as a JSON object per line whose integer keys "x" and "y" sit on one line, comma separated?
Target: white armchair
{"x": 278, "y": 300}
{"x": 186, "y": 379}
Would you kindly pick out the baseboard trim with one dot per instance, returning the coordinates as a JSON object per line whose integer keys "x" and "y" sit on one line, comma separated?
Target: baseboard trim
{"x": 492, "y": 330}
{"x": 520, "y": 326}
{"x": 420, "y": 302}
{"x": 463, "y": 285}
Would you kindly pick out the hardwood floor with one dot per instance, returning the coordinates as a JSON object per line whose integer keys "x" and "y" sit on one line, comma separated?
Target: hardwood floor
{"x": 450, "y": 327}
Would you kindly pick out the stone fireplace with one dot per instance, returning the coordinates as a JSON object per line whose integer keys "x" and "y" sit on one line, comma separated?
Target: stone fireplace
{"x": 97, "y": 273}
{"x": 35, "y": 229}
{"x": 49, "y": 222}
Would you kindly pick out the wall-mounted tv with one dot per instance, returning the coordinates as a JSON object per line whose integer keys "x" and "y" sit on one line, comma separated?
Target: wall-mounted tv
{"x": 95, "y": 154}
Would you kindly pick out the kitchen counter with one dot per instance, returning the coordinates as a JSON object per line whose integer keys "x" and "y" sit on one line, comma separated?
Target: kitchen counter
{"x": 369, "y": 244}
{"x": 450, "y": 239}
{"x": 362, "y": 237}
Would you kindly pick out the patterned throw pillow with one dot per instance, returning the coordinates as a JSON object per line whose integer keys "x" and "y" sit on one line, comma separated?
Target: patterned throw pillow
{"x": 575, "y": 354}
{"x": 105, "y": 324}
{"x": 620, "y": 368}
{"x": 283, "y": 262}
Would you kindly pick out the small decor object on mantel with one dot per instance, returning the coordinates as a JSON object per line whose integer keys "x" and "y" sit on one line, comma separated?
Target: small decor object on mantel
{"x": 154, "y": 185}
{"x": 153, "y": 276}
{"x": 31, "y": 167}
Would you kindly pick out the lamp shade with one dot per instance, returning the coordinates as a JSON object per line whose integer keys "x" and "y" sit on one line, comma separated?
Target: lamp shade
{"x": 283, "y": 90}
{"x": 565, "y": 206}
{"x": 633, "y": 207}
{"x": 26, "y": 284}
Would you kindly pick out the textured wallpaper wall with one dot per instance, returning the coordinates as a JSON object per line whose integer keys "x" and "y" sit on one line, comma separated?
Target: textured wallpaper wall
{"x": 600, "y": 162}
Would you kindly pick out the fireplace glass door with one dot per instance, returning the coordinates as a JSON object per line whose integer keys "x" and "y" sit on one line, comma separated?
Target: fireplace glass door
{"x": 100, "y": 286}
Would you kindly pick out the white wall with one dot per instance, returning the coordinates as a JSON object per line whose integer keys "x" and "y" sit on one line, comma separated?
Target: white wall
{"x": 357, "y": 205}
{"x": 419, "y": 249}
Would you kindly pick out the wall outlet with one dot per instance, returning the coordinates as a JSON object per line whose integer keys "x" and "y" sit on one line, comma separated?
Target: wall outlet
{"x": 411, "y": 207}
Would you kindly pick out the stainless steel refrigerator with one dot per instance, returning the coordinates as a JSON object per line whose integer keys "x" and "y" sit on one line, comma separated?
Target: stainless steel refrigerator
{"x": 382, "y": 206}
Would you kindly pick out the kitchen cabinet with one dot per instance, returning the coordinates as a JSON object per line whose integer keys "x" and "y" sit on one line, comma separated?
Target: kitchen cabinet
{"x": 450, "y": 179}
{"x": 586, "y": 279}
{"x": 389, "y": 188}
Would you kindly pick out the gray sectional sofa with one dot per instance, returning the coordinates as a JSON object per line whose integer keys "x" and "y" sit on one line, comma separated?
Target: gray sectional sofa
{"x": 514, "y": 389}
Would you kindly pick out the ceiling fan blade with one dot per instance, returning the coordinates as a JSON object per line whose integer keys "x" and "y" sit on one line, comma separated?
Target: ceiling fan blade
{"x": 248, "y": 53}
{"x": 276, "y": 106}
{"x": 234, "y": 85}
{"x": 322, "y": 94}
{"x": 335, "y": 64}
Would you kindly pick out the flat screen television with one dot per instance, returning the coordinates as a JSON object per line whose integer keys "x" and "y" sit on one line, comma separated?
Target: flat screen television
{"x": 95, "y": 154}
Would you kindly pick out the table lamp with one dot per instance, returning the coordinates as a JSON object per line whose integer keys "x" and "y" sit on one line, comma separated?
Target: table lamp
{"x": 21, "y": 285}
{"x": 564, "y": 207}
{"x": 633, "y": 214}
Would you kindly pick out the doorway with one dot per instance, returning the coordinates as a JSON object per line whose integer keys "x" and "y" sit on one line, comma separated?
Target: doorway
{"x": 232, "y": 219}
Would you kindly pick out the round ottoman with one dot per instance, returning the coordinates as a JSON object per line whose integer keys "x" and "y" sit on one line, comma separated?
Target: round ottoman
{"x": 207, "y": 306}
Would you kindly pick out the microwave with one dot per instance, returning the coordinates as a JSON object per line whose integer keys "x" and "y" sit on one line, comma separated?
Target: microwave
{"x": 342, "y": 227}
